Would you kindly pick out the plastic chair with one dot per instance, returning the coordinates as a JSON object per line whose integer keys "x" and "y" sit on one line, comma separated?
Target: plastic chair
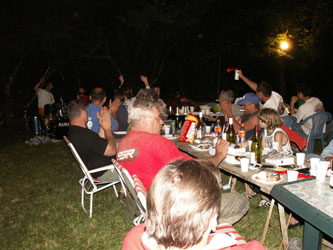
{"x": 88, "y": 183}
{"x": 134, "y": 188}
{"x": 319, "y": 120}
{"x": 289, "y": 120}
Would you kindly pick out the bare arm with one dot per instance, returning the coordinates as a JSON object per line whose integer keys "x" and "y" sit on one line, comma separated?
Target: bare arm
{"x": 144, "y": 79}
{"x": 221, "y": 152}
{"x": 36, "y": 88}
{"x": 253, "y": 85}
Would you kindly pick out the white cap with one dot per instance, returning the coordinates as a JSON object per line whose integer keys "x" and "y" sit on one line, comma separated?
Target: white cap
{"x": 230, "y": 120}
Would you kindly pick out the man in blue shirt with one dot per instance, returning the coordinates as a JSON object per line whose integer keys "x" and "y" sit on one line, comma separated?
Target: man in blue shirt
{"x": 98, "y": 98}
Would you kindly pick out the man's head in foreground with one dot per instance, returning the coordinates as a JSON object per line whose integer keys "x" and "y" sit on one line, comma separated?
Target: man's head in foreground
{"x": 183, "y": 203}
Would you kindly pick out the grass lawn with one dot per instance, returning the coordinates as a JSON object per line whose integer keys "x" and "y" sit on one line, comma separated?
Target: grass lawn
{"x": 40, "y": 204}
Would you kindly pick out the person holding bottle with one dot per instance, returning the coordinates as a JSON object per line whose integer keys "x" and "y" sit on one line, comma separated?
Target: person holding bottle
{"x": 273, "y": 134}
{"x": 250, "y": 103}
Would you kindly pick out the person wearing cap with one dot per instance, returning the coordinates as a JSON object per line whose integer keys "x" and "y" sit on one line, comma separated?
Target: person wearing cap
{"x": 250, "y": 103}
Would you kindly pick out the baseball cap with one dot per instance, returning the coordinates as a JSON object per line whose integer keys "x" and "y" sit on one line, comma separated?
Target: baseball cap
{"x": 249, "y": 97}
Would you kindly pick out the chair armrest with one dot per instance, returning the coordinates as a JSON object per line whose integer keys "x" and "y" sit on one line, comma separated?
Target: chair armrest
{"x": 101, "y": 169}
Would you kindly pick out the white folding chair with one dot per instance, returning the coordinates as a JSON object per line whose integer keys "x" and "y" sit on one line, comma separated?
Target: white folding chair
{"x": 88, "y": 183}
{"x": 133, "y": 187}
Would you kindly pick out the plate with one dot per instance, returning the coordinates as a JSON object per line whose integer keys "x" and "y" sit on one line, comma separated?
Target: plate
{"x": 171, "y": 137}
{"x": 231, "y": 160}
{"x": 197, "y": 147}
{"x": 257, "y": 178}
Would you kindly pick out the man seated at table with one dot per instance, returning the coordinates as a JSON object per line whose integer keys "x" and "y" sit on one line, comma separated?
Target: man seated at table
{"x": 95, "y": 150}
{"x": 250, "y": 103}
{"x": 144, "y": 152}
{"x": 183, "y": 203}
{"x": 311, "y": 106}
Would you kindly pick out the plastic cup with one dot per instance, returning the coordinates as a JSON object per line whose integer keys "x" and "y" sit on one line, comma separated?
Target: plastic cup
{"x": 300, "y": 157}
{"x": 314, "y": 162}
{"x": 192, "y": 109}
{"x": 292, "y": 175}
{"x": 167, "y": 130}
{"x": 322, "y": 167}
{"x": 244, "y": 162}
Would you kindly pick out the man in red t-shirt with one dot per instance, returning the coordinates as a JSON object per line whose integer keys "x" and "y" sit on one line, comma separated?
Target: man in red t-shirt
{"x": 144, "y": 152}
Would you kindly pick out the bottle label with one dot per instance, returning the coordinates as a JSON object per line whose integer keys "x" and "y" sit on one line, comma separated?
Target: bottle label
{"x": 218, "y": 130}
{"x": 241, "y": 134}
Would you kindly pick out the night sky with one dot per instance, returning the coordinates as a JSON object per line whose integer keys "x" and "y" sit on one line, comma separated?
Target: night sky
{"x": 183, "y": 46}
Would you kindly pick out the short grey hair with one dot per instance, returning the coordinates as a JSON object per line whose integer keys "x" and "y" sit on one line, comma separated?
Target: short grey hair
{"x": 140, "y": 108}
{"x": 227, "y": 95}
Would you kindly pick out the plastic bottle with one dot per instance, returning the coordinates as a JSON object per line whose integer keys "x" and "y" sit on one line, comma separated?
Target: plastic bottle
{"x": 241, "y": 134}
{"x": 218, "y": 127}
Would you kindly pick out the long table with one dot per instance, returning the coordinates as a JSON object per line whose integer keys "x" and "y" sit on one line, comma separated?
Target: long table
{"x": 313, "y": 201}
{"x": 235, "y": 170}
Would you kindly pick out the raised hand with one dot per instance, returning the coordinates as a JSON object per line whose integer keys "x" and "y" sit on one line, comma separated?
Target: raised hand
{"x": 144, "y": 79}
{"x": 104, "y": 118}
{"x": 121, "y": 79}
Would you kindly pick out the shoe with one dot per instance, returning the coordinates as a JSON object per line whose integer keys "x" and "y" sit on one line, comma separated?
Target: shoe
{"x": 121, "y": 196}
{"x": 295, "y": 244}
{"x": 264, "y": 203}
{"x": 294, "y": 225}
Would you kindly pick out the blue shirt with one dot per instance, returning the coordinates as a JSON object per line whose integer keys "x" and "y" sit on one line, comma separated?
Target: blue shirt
{"x": 93, "y": 122}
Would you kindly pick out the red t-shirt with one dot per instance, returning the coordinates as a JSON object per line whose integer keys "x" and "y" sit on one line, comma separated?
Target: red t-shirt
{"x": 144, "y": 154}
{"x": 133, "y": 241}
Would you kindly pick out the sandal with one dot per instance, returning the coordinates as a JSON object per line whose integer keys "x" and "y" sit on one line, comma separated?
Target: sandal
{"x": 264, "y": 203}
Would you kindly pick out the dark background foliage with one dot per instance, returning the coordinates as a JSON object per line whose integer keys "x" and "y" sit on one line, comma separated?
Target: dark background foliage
{"x": 182, "y": 46}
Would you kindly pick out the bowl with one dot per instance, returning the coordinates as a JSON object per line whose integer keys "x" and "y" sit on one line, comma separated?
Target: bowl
{"x": 216, "y": 108}
{"x": 204, "y": 107}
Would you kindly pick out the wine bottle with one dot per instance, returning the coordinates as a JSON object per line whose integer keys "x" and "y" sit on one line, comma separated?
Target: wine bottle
{"x": 231, "y": 135}
{"x": 170, "y": 116}
{"x": 200, "y": 133}
{"x": 178, "y": 119}
{"x": 256, "y": 147}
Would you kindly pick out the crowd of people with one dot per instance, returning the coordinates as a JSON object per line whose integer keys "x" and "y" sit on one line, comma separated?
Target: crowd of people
{"x": 172, "y": 177}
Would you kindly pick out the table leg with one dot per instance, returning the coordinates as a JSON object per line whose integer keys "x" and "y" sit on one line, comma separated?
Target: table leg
{"x": 267, "y": 221}
{"x": 247, "y": 191}
{"x": 284, "y": 230}
{"x": 312, "y": 237}
{"x": 233, "y": 185}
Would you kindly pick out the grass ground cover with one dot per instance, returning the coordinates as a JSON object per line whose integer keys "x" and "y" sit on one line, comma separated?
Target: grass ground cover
{"x": 40, "y": 204}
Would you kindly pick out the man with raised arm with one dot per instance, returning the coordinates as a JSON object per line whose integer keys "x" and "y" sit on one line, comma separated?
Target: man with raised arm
{"x": 270, "y": 98}
{"x": 95, "y": 150}
{"x": 45, "y": 96}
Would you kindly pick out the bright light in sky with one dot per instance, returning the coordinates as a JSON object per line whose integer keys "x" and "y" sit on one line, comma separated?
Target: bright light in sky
{"x": 284, "y": 45}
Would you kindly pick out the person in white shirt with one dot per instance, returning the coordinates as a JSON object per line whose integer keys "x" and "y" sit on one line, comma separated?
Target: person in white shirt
{"x": 266, "y": 95}
{"x": 311, "y": 105}
{"x": 45, "y": 95}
